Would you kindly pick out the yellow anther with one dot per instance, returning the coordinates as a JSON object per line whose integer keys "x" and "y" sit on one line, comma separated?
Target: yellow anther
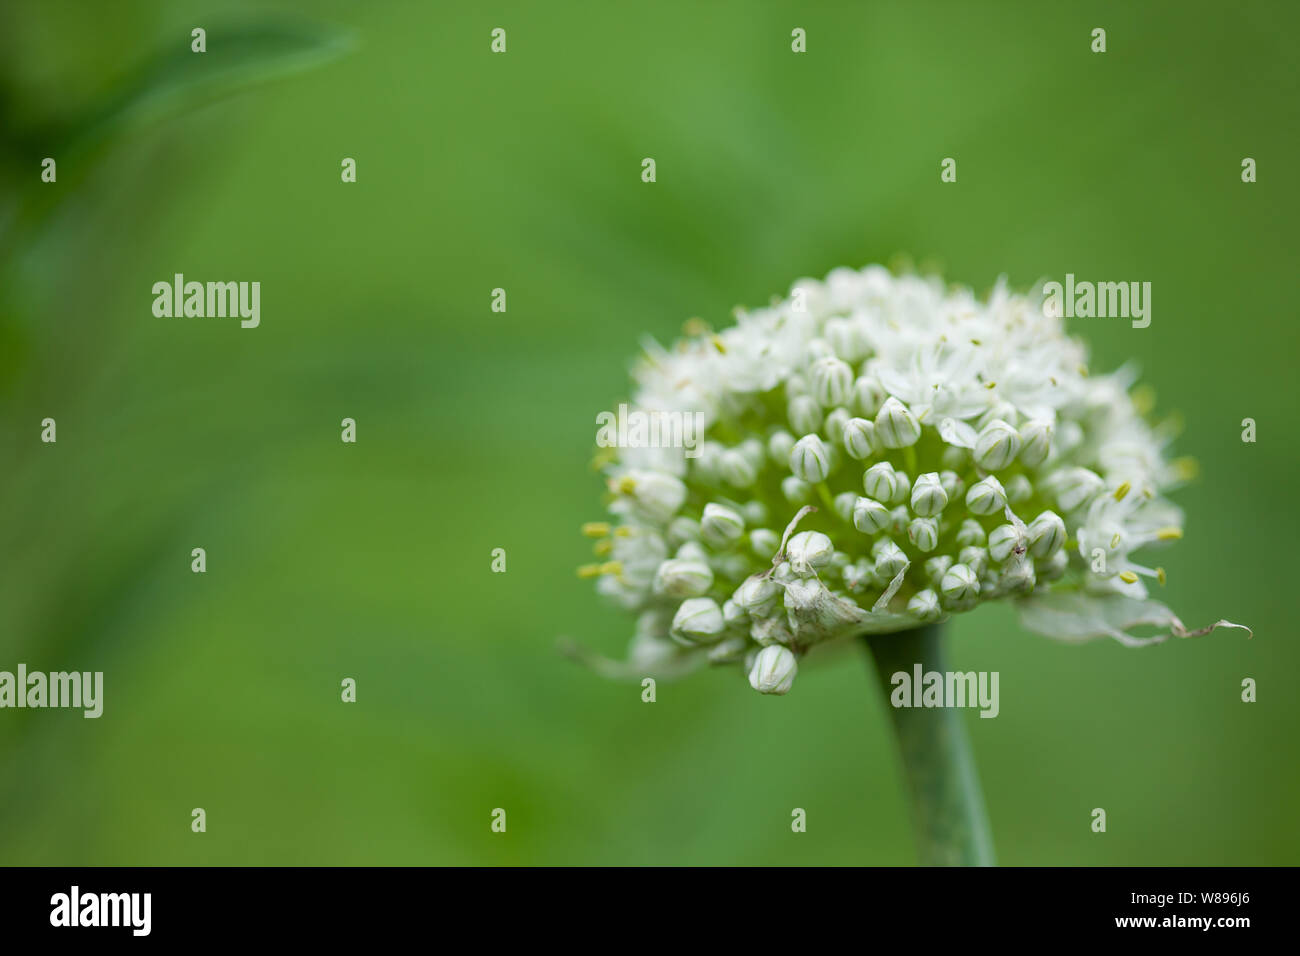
{"x": 1160, "y": 576}
{"x": 1144, "y": 399}
{"x": 1128, "y": 577}
{"x": 1122, "y": 491}
{"x": 1114, "y": 542}
{"x": 603, "y": 548}
{"x": 1169, "y": 534}
{"x": 595, "y": 529}
{"x": 693, "y": 327}
{"x": 625, "y": 485}
{"x": 718, "y": 344}
{"x": 589, "y": 571}
{"x": 1187, "y": 468}
{"x": 612, "y": 567}
{"x": 623, "y": 531}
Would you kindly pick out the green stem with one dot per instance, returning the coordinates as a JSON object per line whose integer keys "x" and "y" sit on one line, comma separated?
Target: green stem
{"x": 952, "y": 827}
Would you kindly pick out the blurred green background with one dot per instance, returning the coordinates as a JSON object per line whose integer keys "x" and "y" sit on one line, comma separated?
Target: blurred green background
{"x": 475, "y": 429}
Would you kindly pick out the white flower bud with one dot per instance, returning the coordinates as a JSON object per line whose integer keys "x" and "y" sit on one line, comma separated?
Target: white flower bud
{"x": 655, "y": 494}
{"x": 796, "y": 490}
{"x": 810, "y": 459}
{"x": 691, "y": 551}
{"x": 1019, "y": 489}
{"x": 937, "y": 567}
{"x": 736, "y": 468}
{"x": 1075, "y": 487}
{"x": 720, "y": 526}
{"x": 683, "y": 577}
{"x": 859, "y": 438}
{"x": 899, "y": 519}
{"x": 928, "y": 495}
{"x": 896, "y": 426}
{"x": 1000, "y": 410}
{"x": 835, "y": 423}
{"x": 859, "y": 575}
{"x": 846, "y": 338}
{"x": 890, "y": 559}
{"x": 698, "y": 621}
{"x": 832, "y": 380}
{"x": 925, "y": 605}
{"x": 868, "y": 396}
{"x": 1004, "y": 539}
{"x": 1046, "y": 534}
{"x": 970, "y": 532}
{"x": 682, "y": 529}
{"x": 882, "y": 483}
{"x": 986, "y": 497}
{"x": 757, "y": 595}
{"x": 844, "y": 503}
{"x": 1017, "y": 577}
{"x": 779, "y": 445}
{"x": 924, "y": 533}
{"x": 728, "y": 651}
{"x": 805, "y": 414}
{"x": 952, "y": 484}
{"x": 764, "y": 542}
{"x": 808, "y": 550}
{"x": 870, "y": 516}
{"x": 733, "y": 614}
{"x": 975, "y": 558}
{"x": 774, "y": 670}
{"x": 1051, "y": 568}
{"x": 955, "y": 458}
{"x": 997, "y": 445}
{"x": 1035, "y": 442}
{"x": 960, "y": 584}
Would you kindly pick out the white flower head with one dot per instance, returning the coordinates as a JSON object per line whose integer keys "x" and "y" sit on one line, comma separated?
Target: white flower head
{"x": 923, "y": 451}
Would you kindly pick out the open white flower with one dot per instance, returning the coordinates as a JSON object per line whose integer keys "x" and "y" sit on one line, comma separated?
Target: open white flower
{"x": 924, "y": 453}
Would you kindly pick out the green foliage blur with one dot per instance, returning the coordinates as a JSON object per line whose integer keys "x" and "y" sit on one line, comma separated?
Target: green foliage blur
{"x": 475, "y": 429}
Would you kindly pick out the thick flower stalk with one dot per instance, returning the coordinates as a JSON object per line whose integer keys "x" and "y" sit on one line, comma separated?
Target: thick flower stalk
{"x": 880, "y": 453}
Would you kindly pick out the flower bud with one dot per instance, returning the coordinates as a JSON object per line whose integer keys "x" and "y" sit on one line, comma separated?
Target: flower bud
{"x": 859, "y": 575}
{"x": 774, "y": 670}
{"x": 682, "y": 529}
{"x": 655, "y": 494}
{"x": 764, "y": 542}
{"x": 925, "y": 605}
{"x": 1019, "y": 489}
{"x": 952, "y": 484}
{"x": 1000, "y": 410}
{"x": 698, "y": 621}
{"x": 810, "y": 459}
{"x": 796, "y": 490}
{"x": 1051, "y": 568}
{"x": 882, "y": 483}
{"x": 808, "y": 550}
{"x": 779, "y": 446}
{"x": 937, "y": 567}
{"x": 859, "y": 438}
{"x": 754, "y": 512}
{"x": 986, "y": 497}
{"x": 970, "y": 533}
{"x": 832, "y": 380}
{"x": 691, "y": 551}
{"x": 1003, "y": 540}
{"x": 805, "y": 414}
{"x": 974, "y": 557}
{"x": 844, "y": 503}
{"x": 959, "y": 584}
{"x": 924, "y": 533}
{"x": 928, "y": 495}
{"x": 1017, "y": 577}
{"x": 721, "y": 527}
{"x": 845, "y": 337}
{"x": 1035, "y": 442}
{"x": 757, "y": 595}
{"x": 835, "y": 423}
{"x": 728, "y": 651}
{"x": 956, "y": 458}
{"x": 733, "y": 615}
{"x": 997, "y": 445}
{"x": 896, "y": 426}
{"x": 1075, "y": 487}
{"x": 683, "y": 577}
{"x": 736, "y": 468}
{"x": 868, "y": 396}
{"x": 890, "y": 559}
{"x": 1046, "y": 534}
{"x": 870, "y": 516}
